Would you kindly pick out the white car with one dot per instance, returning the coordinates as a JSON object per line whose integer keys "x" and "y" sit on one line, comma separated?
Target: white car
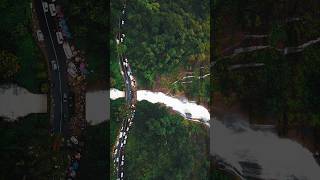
{"x": 127, "y": 128}
{"x": 117, "y": 40}
{"x": 54, "y": 65}
{"x": 123, "y": 11}
{"x": 40, "y": 35}
{"x": 121, "y": 174}
{"x": 130, "y": 123}
{"x": 125, "y": 141}
{"x": 74, "y": 140}
{"x": 65, "y": 97}
{"x": 122, "y": 163}
{"x": 121, "y": 39}
{"x": 122, "y": 22}
{"x": 52, "y": 8}
{"x": 121, "y": 145}
{"x": 45, "y": 6}
{"x": 59, "y": 37}
{"x": 122, "y": 157}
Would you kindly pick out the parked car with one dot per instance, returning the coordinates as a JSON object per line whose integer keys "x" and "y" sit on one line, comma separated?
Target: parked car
{"x": 65, "y": 97}
{"x": 188, "y": 115}
{"x": 59, "y": 37}
{"x": 74, "y": 140}
{"x": 45, "y": 6}
{"x": 40, "y": 35}
{"x": 54, "y": 65}
{"x": 52, "y": 8}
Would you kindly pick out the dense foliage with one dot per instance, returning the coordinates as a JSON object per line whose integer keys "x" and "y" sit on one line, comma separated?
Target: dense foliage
{"x": 287, "y": 86}
{"x": 30, "y": 70}
{"x": 26, "y": 150}
{"x": 165, "y": 146}
{"x": 94, "y": 162}
{"x": 163, "y": 38}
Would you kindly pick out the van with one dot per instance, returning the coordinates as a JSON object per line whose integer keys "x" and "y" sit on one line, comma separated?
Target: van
{"x": 40, "y": 35}
{"x": 45, "y": 6}
{"x": 74, "y": 140}
{"x": 54, "y": 65}
{"x": 65, "y": 97}
{"x": 52, "y": 8}
{"x": 59, "y": 37}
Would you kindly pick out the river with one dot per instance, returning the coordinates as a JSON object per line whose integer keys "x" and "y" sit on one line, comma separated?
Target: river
{"x": 17, "y": 102}
{"x": 254, "y": 153}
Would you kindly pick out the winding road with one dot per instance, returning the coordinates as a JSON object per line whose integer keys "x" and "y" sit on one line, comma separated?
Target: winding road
{"x": 55, "y": 54}
{"x": 131, "y": 98}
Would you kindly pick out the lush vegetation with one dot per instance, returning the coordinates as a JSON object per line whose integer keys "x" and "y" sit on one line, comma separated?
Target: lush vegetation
{"x": 173, "y": 39}
{"x": 88, "y": 22}
{"x": 162, "y": 145}
{"x": 25, "y": 64}
{"x": 94, "y": 162}
{"x": 287, "y": 86}
{"x": 26, "y": 150}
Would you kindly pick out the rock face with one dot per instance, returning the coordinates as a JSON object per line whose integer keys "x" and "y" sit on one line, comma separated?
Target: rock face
{"x": 17, "y": 102}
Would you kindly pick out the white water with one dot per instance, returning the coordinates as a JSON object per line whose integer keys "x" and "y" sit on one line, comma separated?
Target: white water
{"x": 278, "y": 158}
{"x": 234, "y": 141}
{"x": 181, "y": 106}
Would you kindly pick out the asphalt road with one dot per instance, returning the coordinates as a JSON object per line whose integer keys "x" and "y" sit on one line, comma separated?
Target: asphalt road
{"x": 55, "y": 53}
{"x": 130, "y": 92}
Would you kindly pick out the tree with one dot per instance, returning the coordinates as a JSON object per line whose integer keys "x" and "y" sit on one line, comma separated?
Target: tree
{"x": 9, "y": 65}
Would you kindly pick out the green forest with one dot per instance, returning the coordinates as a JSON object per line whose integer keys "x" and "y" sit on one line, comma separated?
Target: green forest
{"x": 287, "y": 85}
{"x": 173, "y": 40}
{"x": 20, "y": 59}
{"x": 26, "y": 150}
{"x": 162, "y": 145}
